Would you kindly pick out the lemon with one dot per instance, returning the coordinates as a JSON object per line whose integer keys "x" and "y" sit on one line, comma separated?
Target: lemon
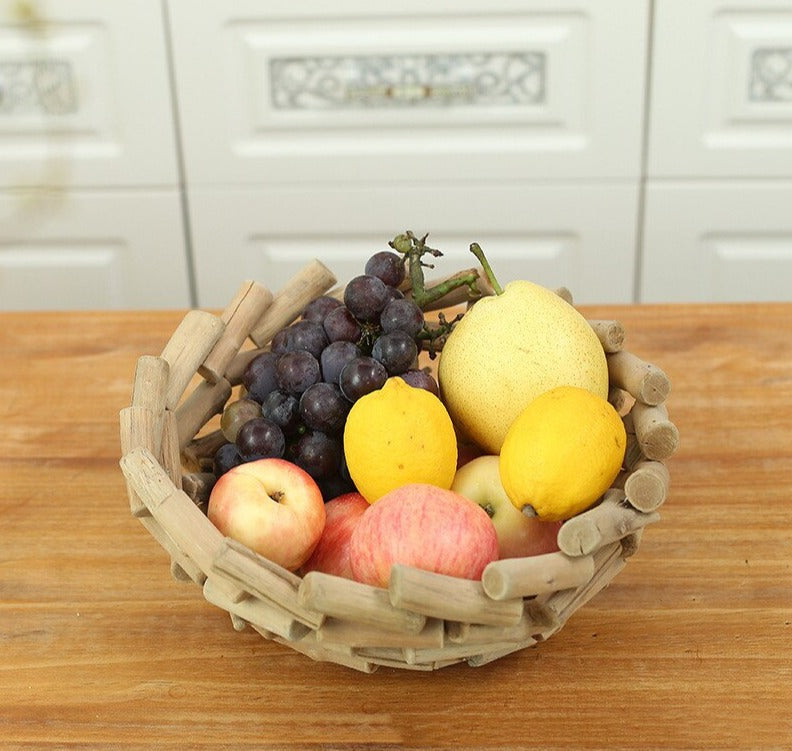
{"x": 399, "y": 435}
{"x": 562, "y": 452}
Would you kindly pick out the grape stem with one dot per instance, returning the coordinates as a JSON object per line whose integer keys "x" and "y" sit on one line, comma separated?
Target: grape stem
{"x": 414, "y": 249}
{"x": 476, "y": 250}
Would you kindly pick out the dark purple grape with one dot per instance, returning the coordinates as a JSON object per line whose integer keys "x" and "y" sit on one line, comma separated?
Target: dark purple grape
{"x": 296, "y": 371}
{"x": 318, "y": 309}
{"x": 396, "y": 351}
{"x": 366, "y": 297}
{"x": 259, "y": 377}
{"x": 284, "y": 410}
{"x": 334, "y": 356}
{"x": 324, "y": 408}
{"x": 279, "y": 343}
{"x": 362, "y": 376}
{"x": 334, "y": 486}
{"x": 225, "y": 458}
{"x": 402, "y": 315}
{"x": 387, "y": 266}
{"x": 304, "y": 335}
{"x": 341, "y": 325}
{"x": 420, "y": 379}
{"x": 318, "y": 454}
{"x": 236, "y": 414}
{"x": 260, "y": 438}
{"x": 394, "y": 293}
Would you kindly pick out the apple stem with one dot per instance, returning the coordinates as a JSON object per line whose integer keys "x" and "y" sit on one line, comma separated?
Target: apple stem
{"x": 476, "y": 250}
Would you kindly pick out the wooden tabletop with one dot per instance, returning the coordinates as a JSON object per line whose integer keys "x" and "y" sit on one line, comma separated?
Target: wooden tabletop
{"x": 689, "y": 648}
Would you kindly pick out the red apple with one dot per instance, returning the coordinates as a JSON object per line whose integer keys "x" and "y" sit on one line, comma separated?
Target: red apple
{"x": 426, "y": 527}
{"x": 518, "y": 534}
{"x": 272, "y": 506}
{"x": 331, "y": 555}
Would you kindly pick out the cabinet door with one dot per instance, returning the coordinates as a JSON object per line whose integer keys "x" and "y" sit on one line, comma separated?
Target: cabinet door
{"x": 579, "y": 237}
{"x": 721, "y": 90}
{"x": 467, "y": 90}
{"x": 724, "y": 241}
{"x": 84, "y": 95}
{"x": 79, "y": 250}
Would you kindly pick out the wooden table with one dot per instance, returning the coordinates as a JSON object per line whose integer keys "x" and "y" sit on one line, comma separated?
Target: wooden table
{"x": 689, "y": 648}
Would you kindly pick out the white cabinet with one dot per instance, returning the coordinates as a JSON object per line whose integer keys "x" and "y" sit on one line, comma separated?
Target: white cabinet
{"x": 317, "y": 130}
{"x": 717, "y": 222}
{"x": 89, "y": 181}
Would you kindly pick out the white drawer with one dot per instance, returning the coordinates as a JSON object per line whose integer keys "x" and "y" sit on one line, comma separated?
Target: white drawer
{"x": 712, "y": 242}
{"x": 579, "y": 237}
{"x": 721, "y": 89}
{"x": 84, "y": 95}
{"x": 358, "y": 91}
{"x": 83, "y": 250}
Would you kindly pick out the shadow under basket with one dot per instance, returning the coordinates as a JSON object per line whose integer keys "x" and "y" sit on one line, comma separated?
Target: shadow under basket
{"x": 423, "y": 621}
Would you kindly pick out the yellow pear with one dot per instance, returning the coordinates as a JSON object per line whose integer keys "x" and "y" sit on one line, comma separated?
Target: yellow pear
{"x": 508, "y": 349}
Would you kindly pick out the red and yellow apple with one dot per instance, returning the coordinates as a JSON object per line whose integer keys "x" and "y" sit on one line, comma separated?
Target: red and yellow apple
{"x": 518, "y": 535}
{"x": 426, "y": 527}
{"x": 331, "y": 555}
{"x": 272, "y": 506}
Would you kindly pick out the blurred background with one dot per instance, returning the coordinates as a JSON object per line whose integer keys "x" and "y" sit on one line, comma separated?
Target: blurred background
{"x": 155, "y": 153}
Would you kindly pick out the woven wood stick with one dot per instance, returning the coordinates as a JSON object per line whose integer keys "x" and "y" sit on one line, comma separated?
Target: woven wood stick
{"x": 206, "y": 400}
{"x": 139, "y": 426}
{"x": 188, "y": 347}
{"x": 198, "y": 485}
{"x": 198, "y": 454}
{"x": 631, "y": 543}
{"x": 609, "y": 563}
{"x": 343, "y": 598}
{"x": 182, "y": 567}
{"x": 359, "y": 635}
{"x": 192, "y": 532}
{"x": 537, "y": 621}
{"x": 392, "y": 658}
{"x": 240, "y": 316}
{"x": 171, "y": 452}
{"x": 265, "y": 615}
{"x": 489, "y": 656}
{"x": 308, "y": 283}
{"x": 322, "y": 652}
{"x": 449, "y": 598}
{"x": 150, "y": 387}
{"x": 646, "y": 382}
{"x": 264, "y": 579}
{"x": 657, "y": 436}
{"x": 605, "y": 523}
{"x": 431, "y": 655}
{"x": 646, "y": 486}
{"x": 610, "y": 334}
{"x": 619, "y": 398}
{"x": 535, "y": 575}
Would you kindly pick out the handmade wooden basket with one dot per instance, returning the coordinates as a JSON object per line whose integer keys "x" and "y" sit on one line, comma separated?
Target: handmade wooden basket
{"x": 423, "y": 621}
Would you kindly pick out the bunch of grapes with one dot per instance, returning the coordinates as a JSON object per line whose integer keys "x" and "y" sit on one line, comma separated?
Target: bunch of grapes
{"x": 297, "y": 395}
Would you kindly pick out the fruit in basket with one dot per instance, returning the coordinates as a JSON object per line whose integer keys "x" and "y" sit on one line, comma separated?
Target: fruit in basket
{"x": 518, "y": 534}
{"x": 562, "y": 453}
{"x": 508, "y": 349}
{"x": 396, "y": 436}
{"x": 426, "y": 527}
{"x": 272, "y": 506}
{"x": 331, "y": 554}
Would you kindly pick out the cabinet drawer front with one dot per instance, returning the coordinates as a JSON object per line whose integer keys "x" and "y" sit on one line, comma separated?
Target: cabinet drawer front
{"x": 82, "y": 250}
{"x": 84, "y": 95}
{"x": 721, "y": 91}
{"x": 717, "y": 242}
{"x": 579, "y": 237}
{"x": 273, "y": 92}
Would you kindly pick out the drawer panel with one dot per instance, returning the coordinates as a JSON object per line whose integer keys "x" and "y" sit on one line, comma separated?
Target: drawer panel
{"x": 452, "y": 91}
{"x": 581, "y": 238}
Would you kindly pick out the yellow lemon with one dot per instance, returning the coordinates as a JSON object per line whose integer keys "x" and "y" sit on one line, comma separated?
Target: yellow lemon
{"x": 399, "y": 435}
{"x": 562, "y": 452}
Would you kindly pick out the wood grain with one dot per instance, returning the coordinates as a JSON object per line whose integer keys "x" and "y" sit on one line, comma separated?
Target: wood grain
{"x": 690, "y": 647}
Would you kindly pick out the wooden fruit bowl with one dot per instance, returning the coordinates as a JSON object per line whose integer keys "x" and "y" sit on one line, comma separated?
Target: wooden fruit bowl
{"x": 423, "y": 621}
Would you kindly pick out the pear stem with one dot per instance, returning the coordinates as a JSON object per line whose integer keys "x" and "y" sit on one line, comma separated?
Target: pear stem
{"x": 476, "y": 250}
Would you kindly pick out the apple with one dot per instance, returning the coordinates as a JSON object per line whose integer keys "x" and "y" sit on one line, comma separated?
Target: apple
{"x": 518, "y": 535}
{"x": 426, "y": 527}
{"x": 272, "y": 506}
{"x": 331, "y": 555}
